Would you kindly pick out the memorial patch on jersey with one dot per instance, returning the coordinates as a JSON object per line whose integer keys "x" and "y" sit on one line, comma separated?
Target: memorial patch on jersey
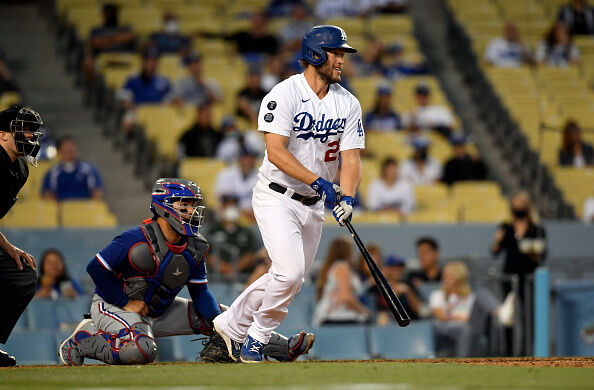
{"x": 308, "y": 127}
{"x": 269, "y": 117}
{"x": 271, "y": 105}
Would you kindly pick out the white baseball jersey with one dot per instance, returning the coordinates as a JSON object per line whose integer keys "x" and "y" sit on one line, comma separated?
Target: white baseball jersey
{"x": 318, "y": 129}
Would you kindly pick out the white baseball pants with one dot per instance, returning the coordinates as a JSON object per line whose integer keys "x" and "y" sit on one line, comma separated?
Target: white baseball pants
{"x": 291, "y": 233}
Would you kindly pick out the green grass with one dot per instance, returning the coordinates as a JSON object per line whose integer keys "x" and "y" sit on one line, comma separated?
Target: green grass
{"x": 314, "y": 375}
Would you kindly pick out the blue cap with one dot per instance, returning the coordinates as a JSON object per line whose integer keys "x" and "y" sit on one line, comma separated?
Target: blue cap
{"x": 422, "y": 89}
{"x": 458, "y": 138}
{"x": 421, "y": 142}
{"x": 151, "y": 52}
{"x": 394, "y": 47}
{"x": 228, "y": 120}
{"x": 384, "y": 89}
{"x": 394, "y": 261}
{"x": 191, "y": 57}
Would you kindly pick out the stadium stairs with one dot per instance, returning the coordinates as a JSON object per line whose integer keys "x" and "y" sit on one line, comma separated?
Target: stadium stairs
{"x": 46, "y": 86}
{"x": 500, "y": 142}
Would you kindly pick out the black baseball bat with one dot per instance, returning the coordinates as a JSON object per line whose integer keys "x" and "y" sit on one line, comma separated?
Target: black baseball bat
{"x": 386, "y": 290}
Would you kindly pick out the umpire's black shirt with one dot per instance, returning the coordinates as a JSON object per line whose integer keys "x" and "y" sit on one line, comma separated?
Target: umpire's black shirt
{"x": 13, "y": 176}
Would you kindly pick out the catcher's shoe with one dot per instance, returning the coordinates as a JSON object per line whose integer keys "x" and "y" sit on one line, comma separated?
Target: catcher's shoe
{"x": 233, "y": 347}
{"x": 251, "y": 350}
{"x": 69, "y": 353}
{"x": 6, "y": 360}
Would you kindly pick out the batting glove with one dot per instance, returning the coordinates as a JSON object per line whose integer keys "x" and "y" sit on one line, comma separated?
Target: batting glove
{"x": 329, "y": 192}
{"x": 344, "y": 210}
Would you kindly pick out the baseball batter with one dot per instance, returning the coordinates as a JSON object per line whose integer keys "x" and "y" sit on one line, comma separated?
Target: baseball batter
{"x": 138, "y": 277}
{"x": 309, "y": 122}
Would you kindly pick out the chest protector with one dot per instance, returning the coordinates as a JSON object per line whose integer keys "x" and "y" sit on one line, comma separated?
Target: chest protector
{"x": 161, "y": 273}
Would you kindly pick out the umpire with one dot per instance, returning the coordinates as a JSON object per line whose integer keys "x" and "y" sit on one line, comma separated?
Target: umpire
{"x": 19, "y": 143}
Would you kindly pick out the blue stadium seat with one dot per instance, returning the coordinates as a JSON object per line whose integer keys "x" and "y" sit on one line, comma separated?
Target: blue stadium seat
{"x": 42, "y": 315}
{"x": 167, "y": 349}
{"x": 222, "y": 292}
{"x": 70, "y": 312}
{"x": 33, "y": 348}
{"x": 393, "y": 342}
{"x": 426, "y": 288}
{"x": 337, "y": 342}
{"x": 22, "y": 324}
{"x": 300, "y": 312}
{"x": 188, "y": 349}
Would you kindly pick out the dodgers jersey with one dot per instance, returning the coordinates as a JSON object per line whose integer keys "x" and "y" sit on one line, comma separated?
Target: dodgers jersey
{"x": 318, "y": 129}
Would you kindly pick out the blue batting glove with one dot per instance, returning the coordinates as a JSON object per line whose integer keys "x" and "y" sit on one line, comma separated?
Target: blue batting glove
{"x": 343, "y": 211}
{"x": 327, "y": 191}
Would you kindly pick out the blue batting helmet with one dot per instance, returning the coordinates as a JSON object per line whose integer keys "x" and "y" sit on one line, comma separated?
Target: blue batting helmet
{"x": 179, "y": 202}
{"x": 321, "y": 38}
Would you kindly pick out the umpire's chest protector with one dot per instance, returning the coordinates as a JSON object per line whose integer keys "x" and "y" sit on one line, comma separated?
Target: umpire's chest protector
{"x": 161, "y": 273}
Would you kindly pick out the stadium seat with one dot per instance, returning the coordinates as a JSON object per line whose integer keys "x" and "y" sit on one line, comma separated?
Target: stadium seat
{"x": 86, "y": 213}
{"x": 35, "y": 213}
{"x": 393, "y": 342}
{"x": 168, "y": 349}
{"x": 337, "y": 342}
{"x": 300, "y": 311}
{"x": 189, "y": 346}
{"x": 42, "y": 315}
{"x": 203, "y": 171}
{"x": 33, "y": 348}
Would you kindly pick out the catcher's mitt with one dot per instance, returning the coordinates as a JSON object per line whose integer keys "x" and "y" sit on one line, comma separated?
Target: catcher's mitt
{"x": 215, "y": 350}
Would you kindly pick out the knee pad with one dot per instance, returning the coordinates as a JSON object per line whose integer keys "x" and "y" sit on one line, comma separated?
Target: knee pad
{"x": 140, "y": 347}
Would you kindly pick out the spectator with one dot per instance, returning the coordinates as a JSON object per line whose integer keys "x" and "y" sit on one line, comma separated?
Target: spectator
{"x": 557, "y": 48}
{"x": 429, "y": 116}
{"x": 234, "y": 141}
{"x": 574, "y": 152}
{"x": 369, "y": 63}
{"x": 238, "y": 181}
{"x": 200, "y": 140}
{"x": 147, "y": 87}
{"x": 234, "y": 247}
{"x": 451, "y": 307}
{"x": 107, "y": 38}
{"x": 395, "y": 66}
{"x": 372, "y": 7}
{"x": 421, "y": 168}
{"x": 589, "y": 210}
{"x": 578, "y": 17}
{"x": 339, "y": 289}
{"x": 194, "y": 89}
{"x": 393, "y": 269}
{"x": 428, "y": 254}
{"x": 275, "y": 72}
{"x": 463, "y": 166}
{"x": 250, "y": 97}
{"x": 283, "y": 8}
{"x": 388, "y": 194}
{"x": 255, "y": 42}
{"x": 363, "y": 270}
{"x": 6, "y": 82}
{"x": 508, "y": 51}
{"x": 169, "y": 39}
{"x": 522, "y": 240}
{"x": 328, "y": 9}
{"x": 71, "y": 178}
{"x": 54, "y": 281}
{"x": 292, "y": 32}
{"x": 382, "y": 117}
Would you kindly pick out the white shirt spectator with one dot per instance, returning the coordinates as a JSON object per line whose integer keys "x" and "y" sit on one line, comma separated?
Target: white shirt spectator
{"x": 431, "y": 116}
{"x": 327, "y": 9}
{"x": 231, "y": 181}
{"x": 229, "y": 149}
{"x": 409, "y": 171}
{"x": 399, "y": 195}
{"x": 558, "y": 55}
{"x": 589, "y": 210}
{"x": 452, "y": 304}
{"x": 506, "y": 54}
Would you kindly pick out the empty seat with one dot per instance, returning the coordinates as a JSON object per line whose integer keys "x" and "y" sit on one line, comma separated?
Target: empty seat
{"x": 202, "y": 171}
{"x": 188, "y": 347}
{"x": 337, "y": 342}
{"x": 34, "y": 213}
{"x": 42, "y": 315}
{"x": 86, "y": 213}
{"x": 33, "y": 348}
{"x": 393, "y": 342}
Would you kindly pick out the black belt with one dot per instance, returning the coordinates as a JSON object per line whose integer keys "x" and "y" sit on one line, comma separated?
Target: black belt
{"x": 306, "y": 200}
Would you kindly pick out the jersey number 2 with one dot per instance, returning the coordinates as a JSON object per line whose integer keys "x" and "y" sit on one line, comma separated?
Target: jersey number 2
{"x": 331, "y": 152}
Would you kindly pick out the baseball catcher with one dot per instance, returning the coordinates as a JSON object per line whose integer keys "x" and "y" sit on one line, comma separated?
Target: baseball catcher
{"x": 137, "y": 278}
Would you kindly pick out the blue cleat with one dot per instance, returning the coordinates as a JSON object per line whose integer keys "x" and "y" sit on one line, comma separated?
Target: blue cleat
{"x": 233, "y": 347}
{"x": 251, "y": 351}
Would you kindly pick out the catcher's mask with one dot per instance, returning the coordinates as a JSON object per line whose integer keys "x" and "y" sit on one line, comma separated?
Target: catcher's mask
{"x": 179, "y": 202}
{"x": 24, "y": 124}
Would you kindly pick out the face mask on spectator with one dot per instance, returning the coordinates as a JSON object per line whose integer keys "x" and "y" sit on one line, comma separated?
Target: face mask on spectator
{"x": 231, "y": 213}
{"x": 520, "y": 213}
{"x": 171, "y": 26}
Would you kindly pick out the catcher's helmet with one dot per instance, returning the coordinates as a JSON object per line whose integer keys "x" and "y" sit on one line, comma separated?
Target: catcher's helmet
{"x": 321, "y": 38}
{"x": 178, "y": 201}
{"x": 19, "y": 120}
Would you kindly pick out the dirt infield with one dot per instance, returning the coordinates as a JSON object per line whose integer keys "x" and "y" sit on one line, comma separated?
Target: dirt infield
{"x": 524, "y": 362}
